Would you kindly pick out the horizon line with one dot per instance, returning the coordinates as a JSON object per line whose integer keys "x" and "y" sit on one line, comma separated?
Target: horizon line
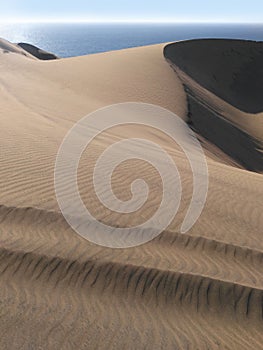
{"x": 123, "y": 21}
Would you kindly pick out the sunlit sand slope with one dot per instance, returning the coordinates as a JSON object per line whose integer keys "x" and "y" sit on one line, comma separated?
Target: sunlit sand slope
{"x": 199, "y": 290}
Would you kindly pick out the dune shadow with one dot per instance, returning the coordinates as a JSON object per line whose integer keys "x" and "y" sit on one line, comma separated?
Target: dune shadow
{"x": 231, "y": 70}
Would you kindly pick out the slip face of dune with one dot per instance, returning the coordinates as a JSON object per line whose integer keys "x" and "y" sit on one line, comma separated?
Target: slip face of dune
{"x": 200, "y": 290}
{"x": 38, "y": 53}
{"x": 223, "y": 80}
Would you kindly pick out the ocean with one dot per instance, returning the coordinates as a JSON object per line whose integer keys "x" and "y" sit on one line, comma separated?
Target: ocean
{"x": 66, "y": 40}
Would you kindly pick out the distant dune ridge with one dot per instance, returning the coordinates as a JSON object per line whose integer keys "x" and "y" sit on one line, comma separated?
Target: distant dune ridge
{"x": 38, "y": 53}
{"x": 200, "y": 290}
{"x": 26, "y": 50}
{"x": 7, "y": 47}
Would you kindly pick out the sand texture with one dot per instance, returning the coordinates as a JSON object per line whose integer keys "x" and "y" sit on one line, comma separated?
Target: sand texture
{"x": 199, "y": 290}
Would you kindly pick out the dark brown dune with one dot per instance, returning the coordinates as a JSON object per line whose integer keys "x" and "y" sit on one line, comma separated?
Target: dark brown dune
{"x": 223, "y": 80}
{"x": 231, "y": 69}
{"x": 37, "y": 52}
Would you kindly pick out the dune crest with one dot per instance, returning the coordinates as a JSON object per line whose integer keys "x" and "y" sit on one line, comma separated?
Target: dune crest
{"x": 37, "y": 52}
{"x": 7, "y": 47}
{"x": 201, "y": 290}
{"x": 223, "y": 80}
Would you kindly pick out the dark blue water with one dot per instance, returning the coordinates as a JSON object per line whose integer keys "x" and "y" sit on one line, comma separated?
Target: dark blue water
{"x": 67, "y": 40}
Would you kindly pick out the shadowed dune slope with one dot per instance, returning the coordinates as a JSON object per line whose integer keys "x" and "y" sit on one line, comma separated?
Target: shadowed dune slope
{"x": 223, "y": 80}
{"x": 200, "y": 290}
{"x": 38, "y": 53}
{"x": 25, "y": 50}
{"x": 231, "y": 69}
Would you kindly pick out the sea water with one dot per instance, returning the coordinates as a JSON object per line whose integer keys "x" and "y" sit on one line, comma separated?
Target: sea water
{"x": 75, "y": 39}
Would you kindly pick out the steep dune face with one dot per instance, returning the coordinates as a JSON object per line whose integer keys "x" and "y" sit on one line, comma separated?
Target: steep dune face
{"x": 231, "y": 69}
{"x": 38, "y": 53}
{"x": 223, "y": 80}
{"x": 200, "y": 290}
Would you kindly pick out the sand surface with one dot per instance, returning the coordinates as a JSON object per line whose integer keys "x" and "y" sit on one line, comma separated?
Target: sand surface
{"x": 199, "y": 290}
{"x": 223, "y": 80}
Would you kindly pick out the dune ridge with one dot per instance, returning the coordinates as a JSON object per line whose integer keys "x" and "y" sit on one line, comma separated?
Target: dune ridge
{"x": 200, "y": 290}
{"x": 37, "y": 52}
{"x": 7, "y": 47}
{"x": 223, "y": 80}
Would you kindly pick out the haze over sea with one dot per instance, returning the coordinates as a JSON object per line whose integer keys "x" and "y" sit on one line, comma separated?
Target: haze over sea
{"x": 76, "y": 39}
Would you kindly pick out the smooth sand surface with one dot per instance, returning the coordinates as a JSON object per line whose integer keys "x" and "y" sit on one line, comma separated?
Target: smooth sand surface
{"x": 200, "y": 290}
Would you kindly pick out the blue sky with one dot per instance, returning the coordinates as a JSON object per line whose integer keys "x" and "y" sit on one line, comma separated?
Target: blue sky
{"x": 136, "y": 10}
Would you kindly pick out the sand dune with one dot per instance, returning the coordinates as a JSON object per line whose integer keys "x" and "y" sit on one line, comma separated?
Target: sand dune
{"x": 38, "y": 53}
{"x": 26, "y": 50}
{"x": 223, "y": 80}
{"x": 7, "y": 47}
{"x": 200, "y": 290}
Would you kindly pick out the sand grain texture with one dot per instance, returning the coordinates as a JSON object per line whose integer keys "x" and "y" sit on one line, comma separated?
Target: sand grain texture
{"x": 201, "y": 290}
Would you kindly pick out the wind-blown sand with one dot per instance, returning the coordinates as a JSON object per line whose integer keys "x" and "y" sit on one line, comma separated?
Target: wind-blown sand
{"x": 200, "y": 290}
